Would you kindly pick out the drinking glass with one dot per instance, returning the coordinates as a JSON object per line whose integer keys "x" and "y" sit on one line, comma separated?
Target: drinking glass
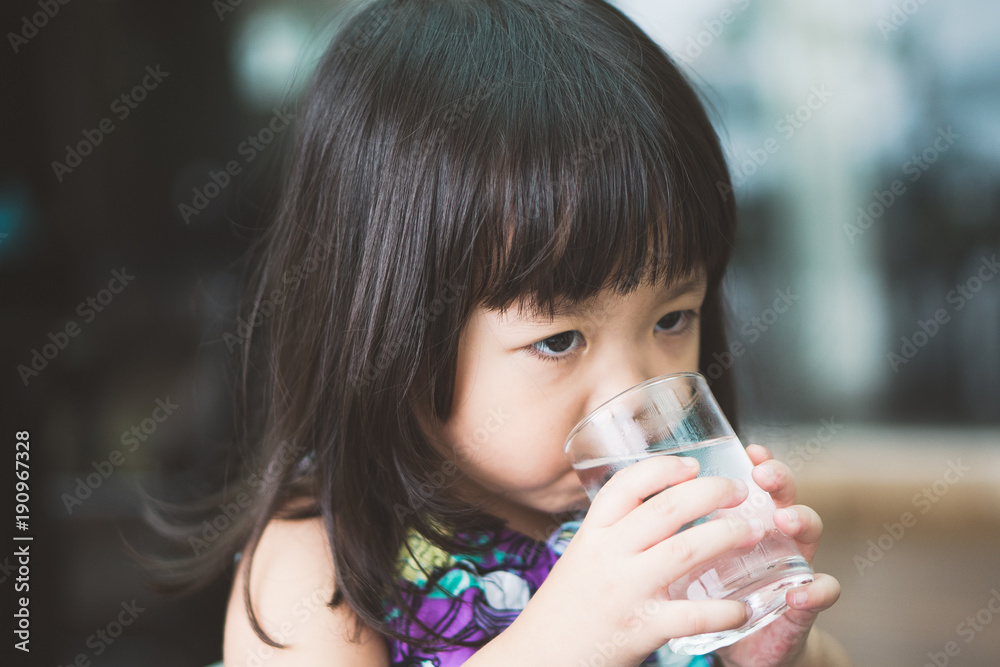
{"x": 677, "y": 415}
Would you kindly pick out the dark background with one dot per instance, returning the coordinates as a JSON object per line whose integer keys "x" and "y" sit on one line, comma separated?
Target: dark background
{"x": 161, "y": 337}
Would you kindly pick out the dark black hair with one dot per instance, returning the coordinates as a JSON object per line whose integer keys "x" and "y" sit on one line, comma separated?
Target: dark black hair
{"x": 451, "y": 154}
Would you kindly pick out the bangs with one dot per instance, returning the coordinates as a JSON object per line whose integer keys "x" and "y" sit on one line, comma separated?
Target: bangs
{"x": 639, "y": 212}
{"x": 595, "y": 167}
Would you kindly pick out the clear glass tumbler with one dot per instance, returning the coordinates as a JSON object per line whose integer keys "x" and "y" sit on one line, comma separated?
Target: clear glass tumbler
{"x": 678, "y": 415}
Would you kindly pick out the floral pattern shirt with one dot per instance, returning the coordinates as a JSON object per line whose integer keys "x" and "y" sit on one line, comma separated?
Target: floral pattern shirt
{"x": 475, "y": 597}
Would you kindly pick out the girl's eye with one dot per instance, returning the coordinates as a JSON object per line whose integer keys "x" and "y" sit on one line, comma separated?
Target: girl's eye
{"x": 561, "y": 345}
{"x": 677, "y": 322}
{"x": 555, "y": 347}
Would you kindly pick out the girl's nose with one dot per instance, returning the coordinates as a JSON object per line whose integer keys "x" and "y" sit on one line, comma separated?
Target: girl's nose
{"x": 619, "y": 375}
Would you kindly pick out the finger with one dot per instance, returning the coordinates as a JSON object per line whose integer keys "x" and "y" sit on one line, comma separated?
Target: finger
{"x": 628, "y": 487}
{"x": 682, "y": 618}
{"x": 666, "y": 512}
{"x": 676, "y": 556}
{"x": 802, "y": 524}
{"x": 776, "y": 478}
{"x": 797, "y": 621}
{"x": 821, "y": 594}
{"x": 758, "y": 453}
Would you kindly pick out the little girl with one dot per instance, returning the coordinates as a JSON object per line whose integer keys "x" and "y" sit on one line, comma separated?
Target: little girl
{"x": 498, "y": 215}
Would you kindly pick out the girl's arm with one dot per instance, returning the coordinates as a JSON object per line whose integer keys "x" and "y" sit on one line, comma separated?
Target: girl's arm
{"x": 291, "y": 582}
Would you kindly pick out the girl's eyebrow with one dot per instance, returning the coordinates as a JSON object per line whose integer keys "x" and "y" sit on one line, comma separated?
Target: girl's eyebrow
{"x": 535, "y": 314}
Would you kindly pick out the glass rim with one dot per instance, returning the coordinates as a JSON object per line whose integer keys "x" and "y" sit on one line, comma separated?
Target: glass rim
{"x": 634, "y": 389}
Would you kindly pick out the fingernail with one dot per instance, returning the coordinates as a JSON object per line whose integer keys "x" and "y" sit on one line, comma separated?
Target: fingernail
{"x": 741, "y": 486}
{"x": 791, "y": 515}
{"x": 689, "y": 461}
{"x": 768, "y": 473}
{"x": 757, "y": 526}
{"x": 799, "y": 599}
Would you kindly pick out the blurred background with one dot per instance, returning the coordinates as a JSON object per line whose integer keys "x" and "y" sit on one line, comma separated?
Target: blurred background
{"x": 142, "y": 148}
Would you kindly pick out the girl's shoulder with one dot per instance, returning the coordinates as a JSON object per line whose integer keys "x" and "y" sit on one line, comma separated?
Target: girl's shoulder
{"x": 291, "y": 582}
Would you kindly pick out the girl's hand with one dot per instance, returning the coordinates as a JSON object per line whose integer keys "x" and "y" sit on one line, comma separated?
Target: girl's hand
{"x": 783, "y": 642}
{"x": 605, "y": 600}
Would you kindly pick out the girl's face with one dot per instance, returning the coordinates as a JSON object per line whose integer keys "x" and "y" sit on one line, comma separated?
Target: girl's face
{"x": 524, "y": 381}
